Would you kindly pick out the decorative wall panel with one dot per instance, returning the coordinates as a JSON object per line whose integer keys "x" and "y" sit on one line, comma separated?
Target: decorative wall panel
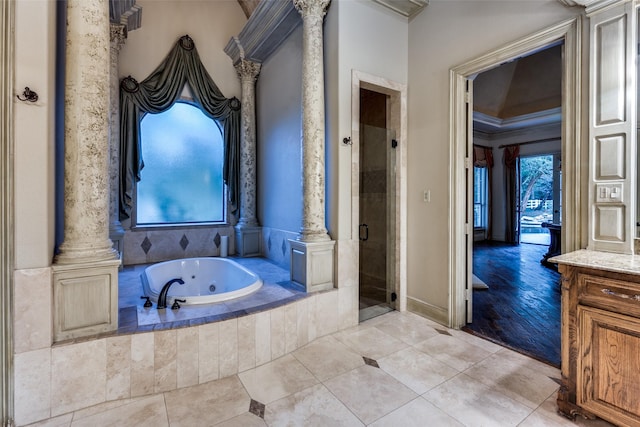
{"x": 611, "y": 66}
{"x": 612, "y": 128}
{"x": 609, "y": 223}
{"x": 610, "y": 156}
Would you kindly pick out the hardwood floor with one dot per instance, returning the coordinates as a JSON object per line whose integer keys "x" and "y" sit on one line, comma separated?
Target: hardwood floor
{"x": 521, "y": 308}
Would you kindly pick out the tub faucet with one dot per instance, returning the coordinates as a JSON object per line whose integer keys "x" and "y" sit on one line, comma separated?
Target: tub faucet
{"x": 162, "y": 299}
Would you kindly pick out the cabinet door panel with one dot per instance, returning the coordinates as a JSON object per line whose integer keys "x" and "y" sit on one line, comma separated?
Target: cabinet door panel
{"x": 609, "y": 365}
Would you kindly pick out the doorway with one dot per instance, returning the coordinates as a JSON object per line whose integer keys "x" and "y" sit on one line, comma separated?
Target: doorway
{"x": 378, "y": 145}
{"x": 461, "y": 277}
{"x": 539, "y": 181}
{"x": 517, "y": 110}
{"x": 377, "y": 207}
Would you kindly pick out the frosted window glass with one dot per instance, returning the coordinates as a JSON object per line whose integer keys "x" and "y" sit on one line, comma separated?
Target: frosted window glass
{"x": 181, "y": 181}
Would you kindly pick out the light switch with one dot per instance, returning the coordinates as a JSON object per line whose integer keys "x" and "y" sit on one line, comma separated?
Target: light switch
{"x": 615, "y": 193}
{"x": 610, "y": 192}
{"x": 603, "y": 192}
{"x": 427, "y": 196}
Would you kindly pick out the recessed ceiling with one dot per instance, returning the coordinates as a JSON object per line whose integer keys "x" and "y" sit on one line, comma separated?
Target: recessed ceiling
{"x": 520, "y": 93}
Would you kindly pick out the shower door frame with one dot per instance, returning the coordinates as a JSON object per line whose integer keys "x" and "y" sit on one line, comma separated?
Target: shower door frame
{"x": 396, "y": 120}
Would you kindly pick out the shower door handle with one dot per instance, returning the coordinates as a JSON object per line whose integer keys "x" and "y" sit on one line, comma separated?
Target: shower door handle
{"x": 364, "y": 227}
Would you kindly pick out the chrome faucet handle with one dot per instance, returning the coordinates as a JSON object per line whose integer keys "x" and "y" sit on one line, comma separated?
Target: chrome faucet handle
{"x": 147, "y": 303}
{"x": 175, "y": 305}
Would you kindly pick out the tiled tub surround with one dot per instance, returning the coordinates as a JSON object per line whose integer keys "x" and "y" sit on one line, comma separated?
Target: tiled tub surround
{"x": 145, "y": 246}
{"x": 277, "y": 290}
{"x": 151, "y": 358}
{"x": 276, "y": 247}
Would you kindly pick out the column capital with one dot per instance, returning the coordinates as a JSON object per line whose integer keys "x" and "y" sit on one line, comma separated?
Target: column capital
{"x": 117, "y": 35}
{"x": 248, "y": 70}
{"x": 317, "y": 8}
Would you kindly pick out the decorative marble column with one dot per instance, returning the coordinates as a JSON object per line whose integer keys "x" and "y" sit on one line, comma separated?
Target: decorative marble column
{"x": 86, "y": 269}
{"x": 118, "y": 35}
{"x": 312, "y": 253}
{"x": 248, "y": 231}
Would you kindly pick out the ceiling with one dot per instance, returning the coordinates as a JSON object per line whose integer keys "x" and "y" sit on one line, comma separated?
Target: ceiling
{"x": 520, "y": 93}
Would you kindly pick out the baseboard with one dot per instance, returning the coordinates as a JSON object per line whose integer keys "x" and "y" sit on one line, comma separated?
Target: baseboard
{"x": 430, "y": 311}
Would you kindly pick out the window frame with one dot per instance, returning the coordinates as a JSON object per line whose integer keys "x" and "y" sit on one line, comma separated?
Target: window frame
{"x": 484, "y": 199}
{"x": 226, "y": 221}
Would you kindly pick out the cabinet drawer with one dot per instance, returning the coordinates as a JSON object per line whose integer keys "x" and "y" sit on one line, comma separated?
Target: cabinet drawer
{"x": 609, "y": 294}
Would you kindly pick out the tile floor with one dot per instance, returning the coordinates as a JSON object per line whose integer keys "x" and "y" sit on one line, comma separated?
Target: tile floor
{"x": 398, "y": 369}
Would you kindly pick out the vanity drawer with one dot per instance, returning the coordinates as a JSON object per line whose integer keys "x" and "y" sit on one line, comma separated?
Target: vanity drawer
{"x": 610, "y": 294}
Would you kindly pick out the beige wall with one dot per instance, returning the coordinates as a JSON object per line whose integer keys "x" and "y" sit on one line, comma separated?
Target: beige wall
{"x": 209, "y": 23}
{"x": 34, "y": 133}
{"x": 447, "y": 34}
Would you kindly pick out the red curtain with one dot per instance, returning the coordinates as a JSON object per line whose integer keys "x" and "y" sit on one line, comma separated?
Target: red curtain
{"x": 483, "y": 158}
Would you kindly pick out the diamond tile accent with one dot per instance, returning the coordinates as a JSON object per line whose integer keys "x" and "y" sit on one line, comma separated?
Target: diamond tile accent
{"x": 146, "y": 245}
{"x": 284, "y": 247}
{"x": 184, "y": 242}
{"x": 370, "y": 362}
{"x": 442, "y": 332}
{"x": 217, "y": 239}
{"x": 257, "y": 408}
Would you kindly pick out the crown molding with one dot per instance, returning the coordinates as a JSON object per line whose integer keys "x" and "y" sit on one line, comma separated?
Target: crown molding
{"x": 125, "y": 12}
{"x": 406, "y": 8}
{"x": 592, "y": 6}
{"x": 497, "y": 125}
{"x": 269, "y": 25}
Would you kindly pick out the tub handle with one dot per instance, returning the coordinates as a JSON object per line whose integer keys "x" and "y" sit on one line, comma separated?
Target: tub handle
{"x": 175, "y": 305}
{"x": 147, "y": 303}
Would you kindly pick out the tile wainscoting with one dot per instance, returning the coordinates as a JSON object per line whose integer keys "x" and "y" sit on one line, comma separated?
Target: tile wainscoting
{"x": 145, "y": 246}
{"x": 275, "y": 246}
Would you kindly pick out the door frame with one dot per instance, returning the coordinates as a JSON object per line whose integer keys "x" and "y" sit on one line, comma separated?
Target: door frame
{"x": 7, "y": 64}
{"x": 396, "y": 119}
{"x": 573, "y": 194}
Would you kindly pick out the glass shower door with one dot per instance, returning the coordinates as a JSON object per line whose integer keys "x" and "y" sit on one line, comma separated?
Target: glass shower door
{"x": 377, "y": 225}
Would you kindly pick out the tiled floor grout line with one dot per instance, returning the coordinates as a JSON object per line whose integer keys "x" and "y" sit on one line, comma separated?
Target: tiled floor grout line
{"x": 166, "y": 408}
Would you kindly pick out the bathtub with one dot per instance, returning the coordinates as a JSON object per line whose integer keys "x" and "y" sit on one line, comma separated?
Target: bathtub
{"x": 206, "y": 280}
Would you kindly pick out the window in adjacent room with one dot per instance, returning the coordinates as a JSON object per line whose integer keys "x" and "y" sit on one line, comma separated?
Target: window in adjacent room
{"x": 479, "y": 197}
{"x": 181, "y": 182}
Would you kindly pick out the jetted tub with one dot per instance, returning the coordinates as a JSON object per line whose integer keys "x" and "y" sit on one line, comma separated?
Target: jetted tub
{"x": 206, "y": 280}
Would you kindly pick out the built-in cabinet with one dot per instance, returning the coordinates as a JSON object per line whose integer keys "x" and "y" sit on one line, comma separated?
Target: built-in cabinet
{"x": 601, "y": 285}
{"x": 600, "y": 337}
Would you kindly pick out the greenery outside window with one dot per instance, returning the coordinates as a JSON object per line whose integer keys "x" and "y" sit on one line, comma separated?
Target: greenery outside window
{"x": 181, "y": 182}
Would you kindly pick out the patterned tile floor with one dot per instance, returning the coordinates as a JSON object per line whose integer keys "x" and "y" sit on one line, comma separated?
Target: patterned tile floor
{"x": 398, "y": 369}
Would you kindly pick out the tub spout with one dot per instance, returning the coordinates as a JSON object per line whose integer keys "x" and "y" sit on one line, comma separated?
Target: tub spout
{"x": 162, "y": 299}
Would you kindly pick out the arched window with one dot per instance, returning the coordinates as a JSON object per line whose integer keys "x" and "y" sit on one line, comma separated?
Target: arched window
{"x": 181, "y": 182}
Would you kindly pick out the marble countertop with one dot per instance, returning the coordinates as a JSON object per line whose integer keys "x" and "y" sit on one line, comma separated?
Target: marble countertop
{"x": 621, "y": 263}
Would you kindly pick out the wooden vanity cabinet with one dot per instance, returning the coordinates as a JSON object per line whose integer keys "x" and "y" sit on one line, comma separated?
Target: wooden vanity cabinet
{"x": 600, "y": 345}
